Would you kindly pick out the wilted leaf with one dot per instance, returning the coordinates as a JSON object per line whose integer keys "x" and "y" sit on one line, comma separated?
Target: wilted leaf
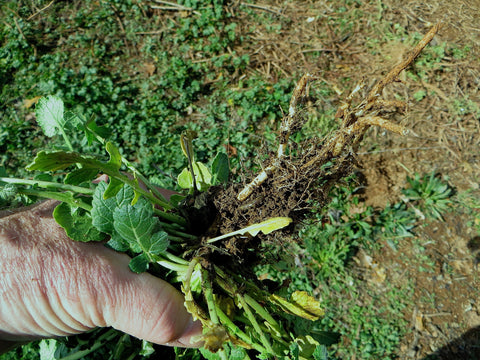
{"x": 301, "y": 304}
{"x": 28, "y": 103}
{"x": 265, "y": 227}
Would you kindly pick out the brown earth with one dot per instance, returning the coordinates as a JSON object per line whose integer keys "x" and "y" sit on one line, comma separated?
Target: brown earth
{"x": 444, "y": 124}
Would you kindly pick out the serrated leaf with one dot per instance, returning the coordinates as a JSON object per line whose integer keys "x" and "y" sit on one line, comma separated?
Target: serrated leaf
{"x": 301, "y": 304}
{"x": 265, "y": 227}
{"x": 294, "y": 351}
{"x": 49, "y": 113}
{"x": 320, "y": 353}
{"x": 102, "y": 209}
{"x": 72, "y": 120}
{"x": 139, "y": 264}
{"x": 117, "y": 243}
{"x": 79, "y": 176}
{"x": 158, "y": 243}
{"x": 220, "y": 169}
{"x": 137, "y": 225}
{"x": 76, "y": 223}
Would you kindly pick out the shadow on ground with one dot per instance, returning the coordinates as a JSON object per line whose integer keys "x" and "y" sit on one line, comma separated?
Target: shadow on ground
{"x": 466, "y": 347}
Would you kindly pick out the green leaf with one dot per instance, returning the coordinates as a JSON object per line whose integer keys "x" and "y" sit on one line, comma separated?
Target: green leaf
{"x": 294, "y": 351}
{"x": 115, "y": 160}
{"x": 49, "y": 113}
{"x": 58, "y": 160}
{"x": 8, "y": 193}
{"x": 147, "y": 349}
{"x": 231, "y": 352}
{"x": 139, "y": 263}
{"x": 265, "y": 227}
{"x": 202, "y": 176}
{"x": 102, "y": 211}
{"x": 320, "y": 353}
{"x": 77, "y": 223}
{"x": 80, "y": 176}
{"x": 72, "y": 120}
{"x": 220, "y": 169}
{"x": 137, "y": 225}
{"x": 158, "y": 243}
{"x": 118, "y": 243}
{"x": 114, "y": 186}
{"x": 325, "y": 337}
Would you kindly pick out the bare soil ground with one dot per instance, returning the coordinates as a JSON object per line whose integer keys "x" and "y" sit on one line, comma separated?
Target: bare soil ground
{"x": 445, "y": 320}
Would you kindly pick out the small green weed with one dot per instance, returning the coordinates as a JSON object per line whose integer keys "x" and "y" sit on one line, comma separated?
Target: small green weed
{"x": 430, "y": 194}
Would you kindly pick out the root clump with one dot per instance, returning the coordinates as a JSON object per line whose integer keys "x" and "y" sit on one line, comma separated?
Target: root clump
{"x": 287, "y": 183}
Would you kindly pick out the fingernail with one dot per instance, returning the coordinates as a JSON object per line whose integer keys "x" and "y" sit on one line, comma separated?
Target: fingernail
{"x": 192, "y": 330}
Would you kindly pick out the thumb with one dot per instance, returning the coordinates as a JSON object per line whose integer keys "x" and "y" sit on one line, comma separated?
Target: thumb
{"x": 148, "y": 308}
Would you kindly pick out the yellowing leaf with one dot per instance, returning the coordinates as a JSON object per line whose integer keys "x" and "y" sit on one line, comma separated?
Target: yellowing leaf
{"x": 265, "y": 227}
{"x": 186, "y": 143}
{"x": 28, "y": 103}
{"x": 301, "y": 304}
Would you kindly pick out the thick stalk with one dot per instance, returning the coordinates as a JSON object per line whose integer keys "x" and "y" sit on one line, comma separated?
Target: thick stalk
{"x": 170, "y": 217}
{"x": 260, "y": 310}
{"x": 48, "y": 185}
{"x": 209, "y": 298}
{"x": 58, "y": 196}
{"x": 235, "y": 330}
{"x": 256, "y": 326}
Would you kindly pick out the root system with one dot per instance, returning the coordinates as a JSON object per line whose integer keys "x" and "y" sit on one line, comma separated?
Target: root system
{"x": 287, "y": 183}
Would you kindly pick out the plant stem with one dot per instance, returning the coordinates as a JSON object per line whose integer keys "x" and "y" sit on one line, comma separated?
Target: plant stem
{"x": 181, "y": 269}
{"x": 170, "y": 228}
{"x": 57, "y": 196}
{"x": 255, "y": 324}
{"x": 170, "y": 217}
{"x": 208, "y": 292}
{"x": 175, "y": 259}
{"x": 234, "y": 329}
{"x": 48, "y": 185}
{"x": 109, "y": 335}
{"x": 260, "y": 310}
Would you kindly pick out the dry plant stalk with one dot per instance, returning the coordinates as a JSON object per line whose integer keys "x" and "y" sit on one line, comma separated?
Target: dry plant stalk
{"x": 355, "y": 121}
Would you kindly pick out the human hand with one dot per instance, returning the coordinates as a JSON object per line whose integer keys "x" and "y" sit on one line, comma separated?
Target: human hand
{"x": 52, "y": 286}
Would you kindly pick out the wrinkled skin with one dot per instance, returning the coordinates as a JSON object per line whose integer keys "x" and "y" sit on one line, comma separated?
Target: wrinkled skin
{"x": 51, "y": 286}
